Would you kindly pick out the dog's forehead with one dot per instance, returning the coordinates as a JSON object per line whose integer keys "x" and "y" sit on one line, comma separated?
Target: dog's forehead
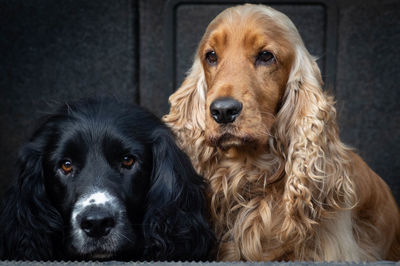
{"x": 85, "y": 131}
{"x": 256, "y": 37}
{"x": 249, "y": 26}
{"x": 80, "y": 137}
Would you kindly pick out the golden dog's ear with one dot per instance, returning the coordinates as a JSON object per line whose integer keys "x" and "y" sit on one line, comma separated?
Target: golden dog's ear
{"x": 187, "y": 104}
{"x": 187, "y": 117}
{"x": 317, "y": 164}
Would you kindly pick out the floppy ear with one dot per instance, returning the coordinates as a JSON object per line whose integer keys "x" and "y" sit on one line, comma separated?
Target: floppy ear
{"x": 317, "y": 165}
{"x": 28, "y": 221}
{"x": 188, "y": 102}
{"x": 175, "y": 227}
{"x": 187, "y": 117}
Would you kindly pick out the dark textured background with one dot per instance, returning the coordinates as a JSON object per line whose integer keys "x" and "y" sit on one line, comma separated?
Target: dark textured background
{"x": 56, "y": 51}
{"x": 119, "y": 263}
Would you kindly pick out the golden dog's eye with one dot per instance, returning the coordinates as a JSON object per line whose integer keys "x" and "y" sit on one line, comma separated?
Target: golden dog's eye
{"x": 127, "y": 161}
{"x": 211, "y": 58}
{"x": 265, "y": 58}
{"x": 66, "y": 166}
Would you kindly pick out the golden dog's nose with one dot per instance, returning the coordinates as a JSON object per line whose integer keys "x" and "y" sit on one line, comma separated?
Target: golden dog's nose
{"x": 224, "y": 110}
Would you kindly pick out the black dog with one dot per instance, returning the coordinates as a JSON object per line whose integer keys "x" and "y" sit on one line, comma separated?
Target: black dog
{"x": 104, "y": 180}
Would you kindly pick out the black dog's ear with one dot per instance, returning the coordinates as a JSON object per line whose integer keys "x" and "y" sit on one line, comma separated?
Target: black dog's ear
{"x": 28, "y": 221}
{"x": 175, "y": 227}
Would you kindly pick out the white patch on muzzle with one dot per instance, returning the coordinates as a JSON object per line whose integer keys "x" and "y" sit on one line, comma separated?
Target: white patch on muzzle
{"x": 81, "y": 241}
{"x": 94, "y": 199}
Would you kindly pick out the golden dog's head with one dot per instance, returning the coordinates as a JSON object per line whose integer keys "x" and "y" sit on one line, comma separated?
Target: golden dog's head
{"x": 247, "y": 58}
{"x": 251, "y": 70}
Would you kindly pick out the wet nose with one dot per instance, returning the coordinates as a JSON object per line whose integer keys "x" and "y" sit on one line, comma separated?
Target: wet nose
{"x": 97, "y": 223}
{"x": 225, "y": 110}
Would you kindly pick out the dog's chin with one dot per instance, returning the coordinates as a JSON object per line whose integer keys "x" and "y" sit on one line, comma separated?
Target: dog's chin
{"x": 125, "y": 253}
{"x": 97, "y": 254}
{"x": 227, "y": 141}
{"x": 89, "y": 252}
{"x": 101, "y": 255}
{"x": 104, "y": 248}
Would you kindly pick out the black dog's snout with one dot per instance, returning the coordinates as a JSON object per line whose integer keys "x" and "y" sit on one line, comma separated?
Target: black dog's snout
{"x": 225, "y": 110}
{"x": 97, "y": 222}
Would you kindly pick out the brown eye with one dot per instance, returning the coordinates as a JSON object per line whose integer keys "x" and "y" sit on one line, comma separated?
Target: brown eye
{"x": 66, "y": 166}
{"x": 264, "y": 58}
{"x": 127, "y": 161}
{"x": 212, "y": 58}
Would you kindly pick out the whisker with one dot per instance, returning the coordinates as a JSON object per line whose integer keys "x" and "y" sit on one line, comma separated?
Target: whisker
{"x": 124, "y": 236}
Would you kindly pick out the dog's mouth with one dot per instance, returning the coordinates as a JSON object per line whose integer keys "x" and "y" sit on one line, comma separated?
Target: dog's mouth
{"x": 228, "y": 140}
{"x": 97, "y": 254}
{"x": 115, "y": 244}
{"x": 100, "y": 255}
{"x": 230, "y": 136}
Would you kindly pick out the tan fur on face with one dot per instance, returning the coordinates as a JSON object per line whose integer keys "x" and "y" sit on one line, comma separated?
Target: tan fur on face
{"x": 237, "y": 40}
{"x": 282, "y": 186}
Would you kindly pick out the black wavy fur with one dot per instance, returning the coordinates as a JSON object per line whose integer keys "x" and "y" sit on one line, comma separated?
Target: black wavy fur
{"x": 163, "y": 196}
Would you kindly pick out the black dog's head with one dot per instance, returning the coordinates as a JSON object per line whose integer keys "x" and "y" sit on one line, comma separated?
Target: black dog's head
{"x": 104, "y": 180}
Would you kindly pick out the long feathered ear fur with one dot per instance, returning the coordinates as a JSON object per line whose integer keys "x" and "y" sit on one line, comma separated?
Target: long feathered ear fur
{"x": 188, "y": 102}
{"x": 175, "y": 227}
{"x": 187, "y": 117}
{"x": 317, "y": 164}
{"x": 28, "y": 221}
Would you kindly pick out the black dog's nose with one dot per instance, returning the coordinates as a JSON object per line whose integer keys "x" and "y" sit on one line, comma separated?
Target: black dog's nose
{"x": 97, "y": 223}
{"x": 225, "y": 110}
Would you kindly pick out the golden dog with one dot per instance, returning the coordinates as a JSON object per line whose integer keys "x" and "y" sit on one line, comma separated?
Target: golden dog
{"x": 256, "y": 123}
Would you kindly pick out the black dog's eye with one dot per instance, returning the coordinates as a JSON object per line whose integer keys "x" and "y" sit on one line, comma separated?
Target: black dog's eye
{"x": 264, "y": 58}
{"x": 127, "y": 161}
{"x": 211, "y": 58}
{"x": 66, "y": 166}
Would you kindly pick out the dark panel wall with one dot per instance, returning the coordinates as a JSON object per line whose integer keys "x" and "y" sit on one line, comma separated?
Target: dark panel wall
{"x": 368, "y": 91}
{"x": 56, "y": 51}
{"x": 62, "y": 50}
{"x": 153, "y": 80}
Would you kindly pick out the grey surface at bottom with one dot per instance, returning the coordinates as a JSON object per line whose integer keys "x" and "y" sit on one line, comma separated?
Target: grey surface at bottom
{"x": 112, "y": 263}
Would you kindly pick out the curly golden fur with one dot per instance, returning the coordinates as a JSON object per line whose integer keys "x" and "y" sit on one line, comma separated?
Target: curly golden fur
{"x": 282, "y": 186}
